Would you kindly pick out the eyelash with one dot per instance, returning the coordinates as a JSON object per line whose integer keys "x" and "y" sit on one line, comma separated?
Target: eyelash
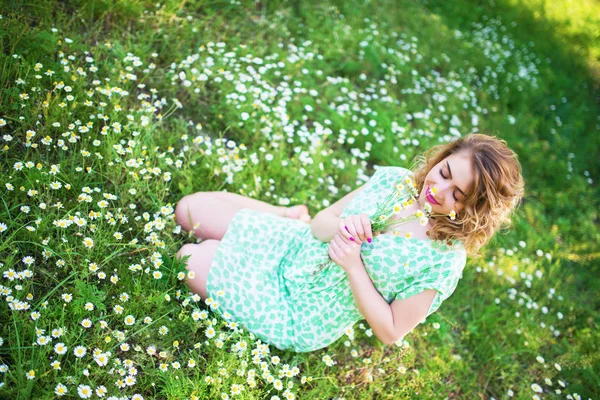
{"x": 453, "y": 194}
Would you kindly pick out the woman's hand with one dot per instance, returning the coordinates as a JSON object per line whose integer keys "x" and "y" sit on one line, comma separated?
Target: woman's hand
{"x": 356, "y": 228}
{"x": 345, "y": 253}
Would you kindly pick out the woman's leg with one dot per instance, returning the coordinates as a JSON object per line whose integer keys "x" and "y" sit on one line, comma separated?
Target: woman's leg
{"x": 208, "y": 214}
{"x": 201, "y": 256}
{"x": 247, "y": 202}
{"x": 297, "y": 212}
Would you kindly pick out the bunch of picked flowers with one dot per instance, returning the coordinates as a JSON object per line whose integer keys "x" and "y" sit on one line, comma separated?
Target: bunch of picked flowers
{"x": 403, "y": 195}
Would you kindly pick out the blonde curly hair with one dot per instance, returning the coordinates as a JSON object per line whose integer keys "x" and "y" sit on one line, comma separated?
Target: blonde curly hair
{"x": 497, "y": 189}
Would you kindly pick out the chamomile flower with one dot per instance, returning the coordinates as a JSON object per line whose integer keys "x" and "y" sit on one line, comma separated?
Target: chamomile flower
{"x": 101, "y": 359}
{"x": 536, "y": 388}
{"x": 60, "y": 390}
{"x": 210, "y": 332}
{"x": 452, "y": 215}
{"x": 88, "y": 242}
{"x": 43, "y": 340}
{"x": 427, "y": 207}
{"x": 327, "y": 358}
{"x": 101, "y": 391}
{"x": 84, "y": 391}
{"x": 60, "y": 348}
{"x": 58, "y": 332}
{"x": 163, "y": 330}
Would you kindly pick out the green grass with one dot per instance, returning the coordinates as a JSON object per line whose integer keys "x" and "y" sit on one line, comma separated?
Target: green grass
{"x": 526, "y": 71}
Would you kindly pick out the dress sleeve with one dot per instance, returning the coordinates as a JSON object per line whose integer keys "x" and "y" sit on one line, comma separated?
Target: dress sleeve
{"x": 442, "y": 276}
{"x": 379, "y": 173}
{"x": 371, "y": 193}
{"x": 383, "y": 180}
{"x": 389, "y": 174}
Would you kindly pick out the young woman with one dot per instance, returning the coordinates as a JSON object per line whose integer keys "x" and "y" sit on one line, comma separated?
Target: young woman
{"x": 259, "y": 263}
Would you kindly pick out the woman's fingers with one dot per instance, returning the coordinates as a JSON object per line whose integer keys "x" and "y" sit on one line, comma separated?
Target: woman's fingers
{"x": 366, "y": 223}
{"x": 338, "y": 244}
{"x": 341, "y": 243}
{"x": 343, "y": 229}
{"x": 362, "y": 226}
{"x": 355, "y": 230}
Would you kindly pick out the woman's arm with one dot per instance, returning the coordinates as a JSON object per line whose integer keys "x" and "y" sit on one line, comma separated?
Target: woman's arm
{"x": 325, "y": 225}
{"x": 389, "y": 322}
{"x": 372, "y": 305}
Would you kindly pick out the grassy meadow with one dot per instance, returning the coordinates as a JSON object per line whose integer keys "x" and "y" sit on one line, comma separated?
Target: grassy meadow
{"x": 111, "y": 111}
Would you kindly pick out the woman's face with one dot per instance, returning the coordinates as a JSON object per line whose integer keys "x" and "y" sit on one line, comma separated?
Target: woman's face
{"x": 453, "y": 177}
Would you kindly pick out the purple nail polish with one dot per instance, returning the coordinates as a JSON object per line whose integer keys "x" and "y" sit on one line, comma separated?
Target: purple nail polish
{"x": 351, "y": 238}
{"x": 346, "y": 228}
{"x": 369, "y": 240}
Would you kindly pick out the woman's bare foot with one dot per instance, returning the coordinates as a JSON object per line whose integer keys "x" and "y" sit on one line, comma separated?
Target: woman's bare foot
{"x": 299, "y": 212}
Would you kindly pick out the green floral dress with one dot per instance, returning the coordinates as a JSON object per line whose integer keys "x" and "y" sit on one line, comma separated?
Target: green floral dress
{"x": 264, "y": 273}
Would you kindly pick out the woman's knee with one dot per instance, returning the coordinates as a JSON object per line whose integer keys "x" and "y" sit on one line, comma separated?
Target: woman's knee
{"x": 183, "y": 212}
{"x": 199, "y": 263}
{"x": 185, "y": 250}
{"x": 201, "y": 254}
{"x": 204, "y": 214}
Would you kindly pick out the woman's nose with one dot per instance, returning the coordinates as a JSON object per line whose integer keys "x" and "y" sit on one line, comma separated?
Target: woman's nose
{"x": 443, "y": 186}
{"x": 444, "y": 190}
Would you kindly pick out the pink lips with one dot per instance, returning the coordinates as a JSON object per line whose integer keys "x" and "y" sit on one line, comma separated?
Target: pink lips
{"x": 430, "y": 197}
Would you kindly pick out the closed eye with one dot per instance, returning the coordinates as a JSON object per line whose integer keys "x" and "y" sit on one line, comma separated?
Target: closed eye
{"x": 445, "y": 177}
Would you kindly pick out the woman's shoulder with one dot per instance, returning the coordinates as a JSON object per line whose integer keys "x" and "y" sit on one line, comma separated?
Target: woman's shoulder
{"x": 454, "y": 252}
{"x": 391, "y": 171}
{"x": 391, "y": 168}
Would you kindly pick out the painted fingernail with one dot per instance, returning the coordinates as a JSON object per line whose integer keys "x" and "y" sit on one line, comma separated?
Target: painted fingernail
{"x": 346, "y": 228}
{"x": 369, "y": 240}
{"x": 351, "y": 238}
